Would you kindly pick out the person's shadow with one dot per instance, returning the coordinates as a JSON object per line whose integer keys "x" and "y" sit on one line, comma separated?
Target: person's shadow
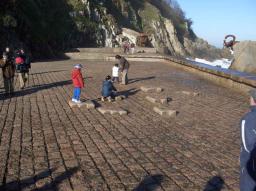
{"x": 134, "y": 80}
{"x": 24, "y": 183}
{"x": 150, "y": 183}
{"x": 216, "y": 183}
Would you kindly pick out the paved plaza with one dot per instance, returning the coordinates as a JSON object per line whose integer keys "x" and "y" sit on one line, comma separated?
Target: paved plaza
{"x": 47, "y": 145}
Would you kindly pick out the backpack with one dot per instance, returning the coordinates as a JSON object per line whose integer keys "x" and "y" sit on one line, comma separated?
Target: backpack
{"x": 20, "y": 64}
{"x": 19, "y": 60}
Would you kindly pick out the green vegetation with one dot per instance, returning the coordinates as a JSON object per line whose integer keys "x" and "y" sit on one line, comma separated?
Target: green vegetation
{"x": 47, "y": 27}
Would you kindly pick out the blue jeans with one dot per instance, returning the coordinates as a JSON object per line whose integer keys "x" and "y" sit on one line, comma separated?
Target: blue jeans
{"x": 77, "y": 93}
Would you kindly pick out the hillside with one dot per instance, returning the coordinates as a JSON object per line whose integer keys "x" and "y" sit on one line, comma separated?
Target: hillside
{"x": 47, "y": 27}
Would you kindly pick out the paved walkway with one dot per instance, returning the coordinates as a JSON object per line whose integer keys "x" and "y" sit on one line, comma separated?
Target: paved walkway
{"x": 46, "y": 145}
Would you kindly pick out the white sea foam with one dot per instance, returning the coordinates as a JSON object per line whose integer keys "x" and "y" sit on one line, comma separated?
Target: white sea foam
{"x": 223, "y": 63}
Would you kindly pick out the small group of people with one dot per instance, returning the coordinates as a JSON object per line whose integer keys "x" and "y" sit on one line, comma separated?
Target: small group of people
{"x": 11, "y": 63}
{"x": 128, "y": 47}
{"x": 108, "y": 91}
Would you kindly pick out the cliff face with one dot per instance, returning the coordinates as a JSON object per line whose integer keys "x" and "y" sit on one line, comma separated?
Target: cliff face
{"x": 47, "y": 27}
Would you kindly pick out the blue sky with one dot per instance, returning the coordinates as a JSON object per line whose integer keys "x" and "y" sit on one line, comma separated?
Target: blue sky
{"x": 213, "y": 19}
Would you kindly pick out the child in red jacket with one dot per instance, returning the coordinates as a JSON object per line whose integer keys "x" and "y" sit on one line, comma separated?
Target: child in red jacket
{"x": 78, "y": 82}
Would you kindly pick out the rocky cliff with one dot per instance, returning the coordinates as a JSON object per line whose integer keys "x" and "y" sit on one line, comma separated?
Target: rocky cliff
{"x": 47, "y": 27}
{"x": 244, "y": 57}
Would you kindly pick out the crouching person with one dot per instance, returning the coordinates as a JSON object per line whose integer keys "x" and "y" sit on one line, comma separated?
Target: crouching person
{"x": 108, "y": 90}
{"x": 78, "y": 82}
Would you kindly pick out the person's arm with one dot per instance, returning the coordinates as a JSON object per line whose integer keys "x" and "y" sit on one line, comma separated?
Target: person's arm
{"x": 243, "y": 135}
{"x": 114, "y": 88}
{"x": 2, "y": 63}
{"x": 248, "y": 133}
{"x": 81, "y": 81}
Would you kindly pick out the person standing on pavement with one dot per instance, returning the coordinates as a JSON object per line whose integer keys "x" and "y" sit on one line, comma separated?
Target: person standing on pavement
{"x": 27, "y": 63}
{"x": 248, "y": 149}
{"x": 78, "y": 82}
{"x": 8, "y": 70}
{"x": 115, "y": 75}
{"x": 124, "y": 66}
{"x": 21, "y": 68}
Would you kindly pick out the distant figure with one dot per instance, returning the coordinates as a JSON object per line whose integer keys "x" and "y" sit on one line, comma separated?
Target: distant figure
{"x": 115, "y": 75}
{"x": 27, "y": 63}
{"x": 126, "y": 47}
{"x": 247, "y": 155}
{"x": 231, "y": 43}
{"x": 22, "y": 67}
{"x": 8, "y": 70}
{"x": 78, "y": 82}
{"x": 132, "y": 48}
{"x": 108, "y": 90}
{"x": 124, "y": 66}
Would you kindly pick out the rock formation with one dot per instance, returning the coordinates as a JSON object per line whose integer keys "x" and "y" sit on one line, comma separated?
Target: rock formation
{"x": 245, "y": 57}
{"x": 99, "y": 23}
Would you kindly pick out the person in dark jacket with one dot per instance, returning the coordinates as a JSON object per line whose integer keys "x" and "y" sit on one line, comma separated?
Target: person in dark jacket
{"x": 248, "y": 149}
{"x": 124, "y": 66}
{"x": 27, "y": 64}
{"x": 22, "y": 68}
{"x": 108, "y": 89}
{"x": 8, "y": 70}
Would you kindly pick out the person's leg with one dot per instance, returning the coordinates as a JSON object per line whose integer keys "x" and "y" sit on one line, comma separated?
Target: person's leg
{"x": 11, "y": 81}
{"x": 115, "y": 79}
{"x": 6, "y": 85}
{"x": 124, "y": 77}
{"x": 21, "y": 79}
{"x": 25, "y": 77}
{"x": 74, "y": 94}
{"x": 78, "y": 94}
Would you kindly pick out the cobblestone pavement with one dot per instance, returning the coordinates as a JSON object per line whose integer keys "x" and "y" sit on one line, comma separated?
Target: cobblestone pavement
{"x": 46, "y": 145}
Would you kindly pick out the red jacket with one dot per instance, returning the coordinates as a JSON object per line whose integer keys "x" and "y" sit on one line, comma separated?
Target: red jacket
{"x": 77, "y": 78}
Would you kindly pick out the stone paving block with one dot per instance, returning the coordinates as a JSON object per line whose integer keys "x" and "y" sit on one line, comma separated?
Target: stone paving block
{"x": 151, "y": 89}
{"x": 151, "y": 99}
{"x": 72, "y": 104}
{"x": 112, "y": 111}
{"x": 113, "y": 150}
{"x": 165, "y": 112}
{"x": 190, "y": 93}
{"x": 86, "y": 104}
{"x": 120, "y": 97}
{"x": 158, "y": 100}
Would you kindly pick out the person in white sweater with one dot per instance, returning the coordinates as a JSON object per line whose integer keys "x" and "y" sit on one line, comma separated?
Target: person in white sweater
{"x": 115, "y": 71}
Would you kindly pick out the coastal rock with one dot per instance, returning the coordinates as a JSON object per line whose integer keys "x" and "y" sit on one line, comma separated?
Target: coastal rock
{"x": 245, "y": 57}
